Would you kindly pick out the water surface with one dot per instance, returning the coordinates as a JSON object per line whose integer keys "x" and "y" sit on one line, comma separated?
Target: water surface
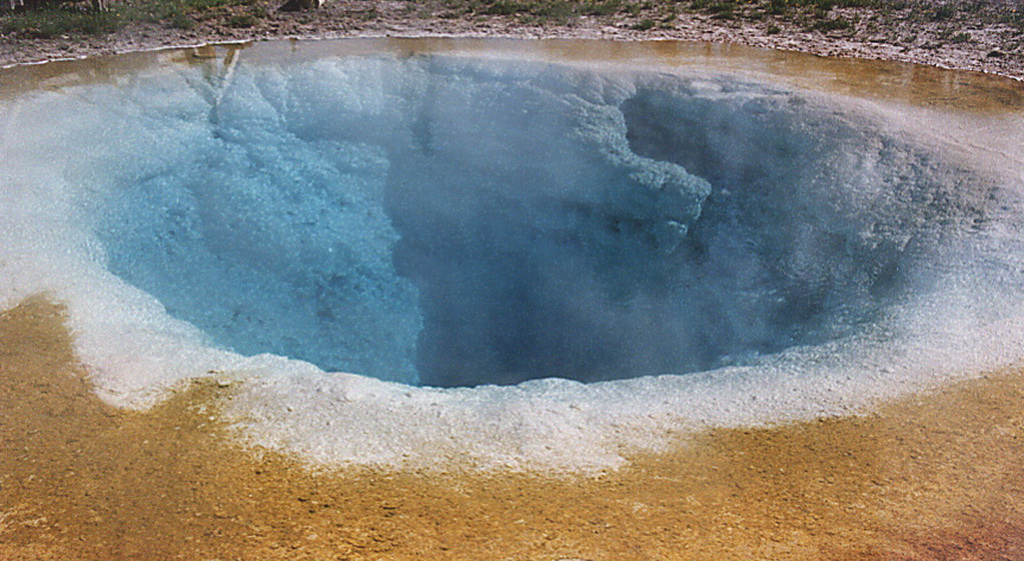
{"x": 735, "y": 235}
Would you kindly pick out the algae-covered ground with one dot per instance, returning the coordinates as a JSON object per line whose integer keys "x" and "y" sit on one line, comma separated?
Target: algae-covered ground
{"x": 930, "y": 477}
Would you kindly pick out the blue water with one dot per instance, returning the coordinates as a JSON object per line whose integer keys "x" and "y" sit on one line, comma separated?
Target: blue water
{"x": 447, "y": 221}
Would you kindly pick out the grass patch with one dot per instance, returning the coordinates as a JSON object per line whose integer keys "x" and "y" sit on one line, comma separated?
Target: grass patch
{"x": 607, "y": 8}
{"x": 962, "y": 37}
{"x": 943, "y": 12}
{"x": 54, "y": 22}
{"x": 542, "y": 11}
{"x": 60, "y": 19}
{"x": 721, "y": 10}
{"x": 560, "y": 10}
{"x": 505, "y": 8}
{"x": 644, "y": 25}
{"x": 65, "y": 17}
{"x": 241, "y": 21}
{"x": 181, "y": 21}
{"x": 831, "y": 25}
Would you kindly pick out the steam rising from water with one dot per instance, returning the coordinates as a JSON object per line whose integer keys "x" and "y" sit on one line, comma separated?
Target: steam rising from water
{"x": 447, "y": 221}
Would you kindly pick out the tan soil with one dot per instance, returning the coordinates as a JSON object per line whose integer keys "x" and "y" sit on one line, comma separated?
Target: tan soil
{"x": 936, "y": 476}
{"x": 992, "y": 48}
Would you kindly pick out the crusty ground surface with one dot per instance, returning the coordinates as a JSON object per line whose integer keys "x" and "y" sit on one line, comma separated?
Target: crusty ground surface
{"x": 936, "y": 476}
{"x": 896, "y": 36}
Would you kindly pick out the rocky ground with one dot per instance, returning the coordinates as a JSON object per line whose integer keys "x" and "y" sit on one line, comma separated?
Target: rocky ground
{"x": 982, "y": 35}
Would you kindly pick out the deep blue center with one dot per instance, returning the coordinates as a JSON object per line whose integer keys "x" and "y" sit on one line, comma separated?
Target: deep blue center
{"x": 451, "y": 222}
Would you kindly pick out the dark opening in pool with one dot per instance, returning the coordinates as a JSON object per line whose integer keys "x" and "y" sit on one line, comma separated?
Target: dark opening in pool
{"x": 451, "y": 222}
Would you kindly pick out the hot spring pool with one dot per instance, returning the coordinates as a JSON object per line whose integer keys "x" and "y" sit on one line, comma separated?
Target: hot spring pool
{"x": 517, "y": 258}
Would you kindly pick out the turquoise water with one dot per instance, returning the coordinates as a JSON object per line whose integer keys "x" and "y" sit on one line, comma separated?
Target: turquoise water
{"x": 445, "y": 221}
{"x": 704, "y": 245}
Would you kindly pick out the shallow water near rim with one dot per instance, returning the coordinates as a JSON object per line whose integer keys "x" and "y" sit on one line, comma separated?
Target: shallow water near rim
{"x": 468, "y": 213}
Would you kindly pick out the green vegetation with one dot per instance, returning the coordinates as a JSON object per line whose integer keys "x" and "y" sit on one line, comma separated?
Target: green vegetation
{"x": 830, "y": 25}
{"x": 961, "y": 38}
{"x": 59, "y": 18}
{"x": 242, "y": 20}
{"x": 68, "y": 18}
{"x": 605, "y": 8}
{"x": 660, "y": 12}
{"x": 943, "y": 12}
{"x": 541, "y": 11}
{"x": 644, "y": 25}
{"x": 847, "y": 17}
{"x": 55, "y": 22}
